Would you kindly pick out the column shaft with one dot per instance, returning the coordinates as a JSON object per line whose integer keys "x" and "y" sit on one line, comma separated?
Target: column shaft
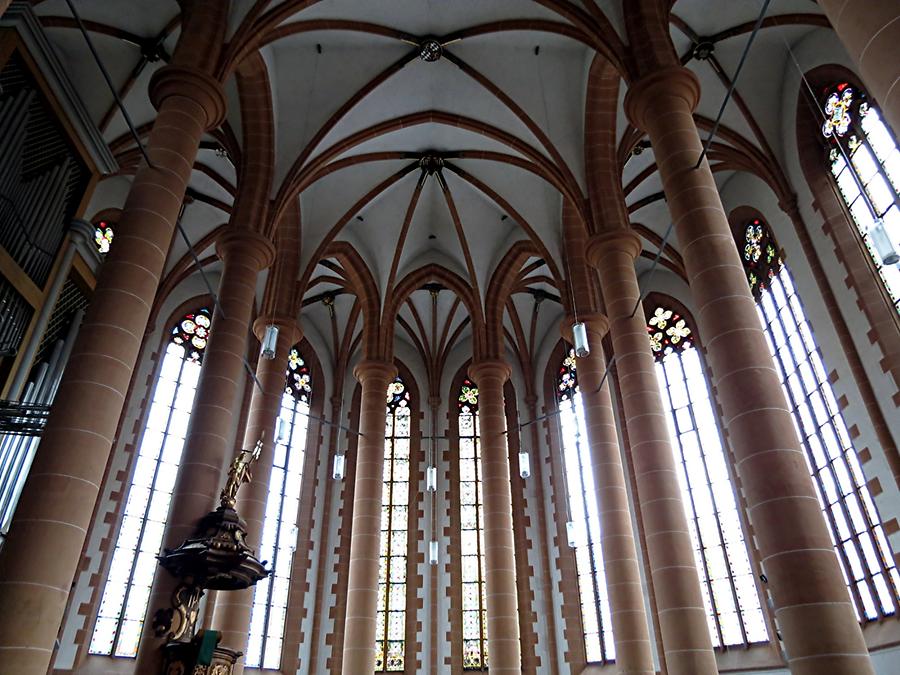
{"x": 871, "y": 34}
{"x": 622, "y": 567}
{"x": 232, "y": 613}
{"x": 40, "y": 557}
{"x": 504, "y": 653}
{"x": 682, "y": 616}
{"x": 365, "y": 539}
{"x": 207, "y": 447}
{"x": 812, "y": 605}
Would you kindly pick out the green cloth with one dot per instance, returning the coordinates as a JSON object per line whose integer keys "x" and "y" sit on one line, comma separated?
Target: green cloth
{"x": 209, "y": 640}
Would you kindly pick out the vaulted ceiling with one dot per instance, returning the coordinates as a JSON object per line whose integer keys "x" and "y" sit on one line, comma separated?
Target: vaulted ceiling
{"x": 448, "y": 163}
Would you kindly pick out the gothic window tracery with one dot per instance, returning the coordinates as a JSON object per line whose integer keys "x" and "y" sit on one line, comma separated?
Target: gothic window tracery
{"x": 865, "y": 162}
{"x": 279, "y": 534}
{"x": 726, "y": 576}
{"x": 471, "y": 506}
{"x": 857, "y": 533}
{"x": 119, "y": 623}
{"x": 390, "y": 638}
{"x": 584, "y": 516}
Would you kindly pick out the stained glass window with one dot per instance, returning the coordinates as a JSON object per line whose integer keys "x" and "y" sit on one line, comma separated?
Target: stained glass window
{"x": 471, "y": 511}
{"x": 584, "y": 515}
{"x": 390, "y": 638}
{"x": 865, "y": 162}
{"x": 125, "y": 596}
{"x": 856, "y": 529}
{"x": 726, "y": 577}
{"x": 279, "y": 533}
{"x": 103, "y": 236}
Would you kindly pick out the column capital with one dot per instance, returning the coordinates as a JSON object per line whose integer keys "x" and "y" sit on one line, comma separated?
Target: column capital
{"x": 191, "y": 83}
{"x": 595, "y": 322}
{"x": 434, "y": 401}
{"x": 81, "y": 231}
{"x": 644, "y": 94}
{"x": 240, "y": 241}
{"x": 287, "y": 325}
{"x": 623, "y": 240}
{"x": 479, "y": 370}
{"x": 374, "y": 368}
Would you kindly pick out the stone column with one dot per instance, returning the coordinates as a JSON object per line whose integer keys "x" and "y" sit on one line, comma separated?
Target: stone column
{"x": 504, "y": 653}
{"x": 232, "y": 613}
{"x": 631, "y": 634}
{"x": 365, "y": 537}
{"x": 40, "y": 557}
{"x": 682, "y": 616}
{"x": 812, "y": 605}
{"x": 206, "y": 446}
{"x": 871, "y": 33}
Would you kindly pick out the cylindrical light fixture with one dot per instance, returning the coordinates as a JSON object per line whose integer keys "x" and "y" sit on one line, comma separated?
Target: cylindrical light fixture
{"x": 571, "y": 534}
{"x": 431, "y": 478}
{"x": 269, "y": 342}
{"x": 579, "y": 337}
{"x": 338, "y": 471}
{"x": 432, "y": 552}
{"x": 524, "y": 465}
{"x": 282, "y": 431}
{"x": 883, "y": 244}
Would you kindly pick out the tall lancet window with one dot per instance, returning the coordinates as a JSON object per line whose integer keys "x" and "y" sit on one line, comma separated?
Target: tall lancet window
{"x": 584, "y": 516}
{"x": 125, "y": 596}
{"x": 279, "y": 533}
{"x": 856, "y": 530}
{"x": 865, "y": 162}
{"x": 726, "y": 577}
{"x": 390, "y": 637}
{"x": 471, "y": 511}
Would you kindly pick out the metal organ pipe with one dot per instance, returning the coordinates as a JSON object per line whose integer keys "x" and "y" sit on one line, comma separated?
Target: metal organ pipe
{"x": 17, "y": 452}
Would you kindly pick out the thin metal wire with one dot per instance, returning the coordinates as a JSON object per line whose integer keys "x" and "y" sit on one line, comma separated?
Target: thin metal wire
{"x": 737, "y": 72}
{"x": 115, "y": 93}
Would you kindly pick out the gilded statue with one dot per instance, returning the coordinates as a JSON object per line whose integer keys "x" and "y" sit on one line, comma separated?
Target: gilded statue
{"x": 239, "y": 473}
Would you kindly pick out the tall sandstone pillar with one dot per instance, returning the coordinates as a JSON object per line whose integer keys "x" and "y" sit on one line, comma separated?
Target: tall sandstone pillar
{"x": 631, "y": 634}
{"x": 362, "y": 585}
{"x": 682, "y": 615}
{"x": 232, "y": 612}
{"x": 812, "y": 605}
{"x": 504, "y": 654}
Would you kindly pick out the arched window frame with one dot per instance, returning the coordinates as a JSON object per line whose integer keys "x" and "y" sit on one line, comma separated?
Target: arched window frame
{"x": 278, "y": 540}
{"x": 392, "y": 650}
{"x": 472, "y": 609}
{"x": 879, "y": 324}
{"x": 722, "y": 552}
{"x": 858, "y": 536}
{"x": 114, "y": 612}
{"x": 582, "y": 511}
{"x": 864, "y": 162}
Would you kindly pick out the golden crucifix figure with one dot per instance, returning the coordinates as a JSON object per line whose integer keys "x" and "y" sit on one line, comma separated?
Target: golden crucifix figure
{"x": 239, "y": 473}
